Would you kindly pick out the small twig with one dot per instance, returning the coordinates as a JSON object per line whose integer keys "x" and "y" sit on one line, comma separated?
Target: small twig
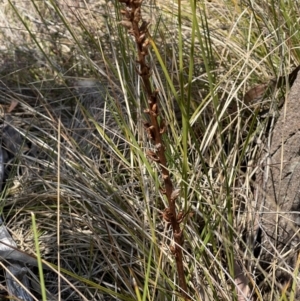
{"x": 138, "y": 28}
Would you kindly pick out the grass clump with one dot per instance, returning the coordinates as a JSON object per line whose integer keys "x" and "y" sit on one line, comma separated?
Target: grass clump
{"x": 98, "y": 200}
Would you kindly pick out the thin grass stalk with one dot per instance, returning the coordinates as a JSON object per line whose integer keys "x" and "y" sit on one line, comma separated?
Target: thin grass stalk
{"x": 184, "y": 104}
{"x": 132, "y": 21}
{"x": 58, "y": 210}
{"x": 39, "y": 258}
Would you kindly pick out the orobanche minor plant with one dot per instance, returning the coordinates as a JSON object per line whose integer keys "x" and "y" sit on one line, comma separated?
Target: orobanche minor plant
{"x": 138, "y": 28}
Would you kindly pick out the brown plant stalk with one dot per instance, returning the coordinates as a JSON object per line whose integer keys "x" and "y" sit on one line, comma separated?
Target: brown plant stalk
{"x": 132, "y": 21}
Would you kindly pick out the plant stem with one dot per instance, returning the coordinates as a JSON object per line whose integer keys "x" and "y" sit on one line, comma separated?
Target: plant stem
{"x": 132, "y": 21}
